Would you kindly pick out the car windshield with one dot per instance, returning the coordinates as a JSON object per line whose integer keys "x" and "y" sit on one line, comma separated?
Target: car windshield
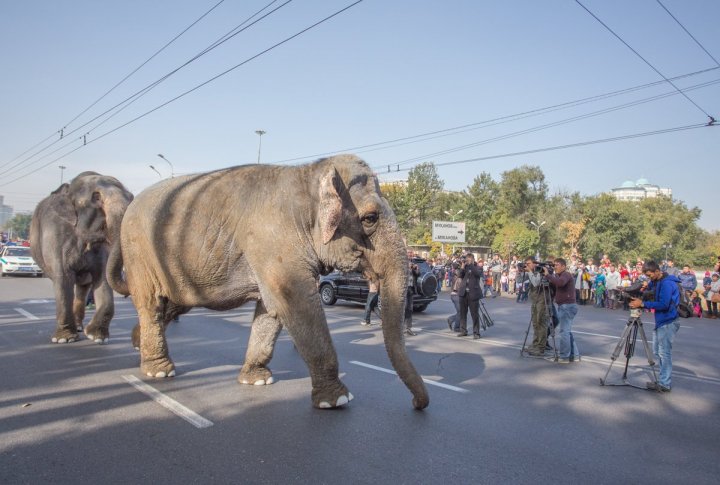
{"x": 21, "y": 251}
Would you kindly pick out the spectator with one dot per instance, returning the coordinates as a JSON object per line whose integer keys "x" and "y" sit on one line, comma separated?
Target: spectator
{"x": 496, "y": 268}
{"x": 454, "y": 320}
{"x": 371, "y": 302}
{"x": 612, "y": 281}
{"x": 687, "y": 278}
{"x": 671, "y": 269}
{"x": 512, "y": 275}
{"x": 714, "y": 290}
{"x": 470, "y": 291}
{"x": 567, "y": 308}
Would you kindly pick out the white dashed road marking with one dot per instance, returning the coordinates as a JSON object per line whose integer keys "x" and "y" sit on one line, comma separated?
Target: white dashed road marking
{"x": 171, "y": 404}
{"x": 26, "y": 314}
{"x": 426, "y": 381}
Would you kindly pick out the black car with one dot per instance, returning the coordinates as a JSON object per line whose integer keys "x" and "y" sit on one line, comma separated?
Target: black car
{"x": 354, "y": 287}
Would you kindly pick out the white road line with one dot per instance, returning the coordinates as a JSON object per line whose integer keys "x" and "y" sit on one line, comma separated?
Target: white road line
{"x": 426, "y": 381}
{"x": 26, "y": 314}
{"x": 172, "y": 405}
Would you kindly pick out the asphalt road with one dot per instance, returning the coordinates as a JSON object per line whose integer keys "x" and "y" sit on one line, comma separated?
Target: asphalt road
{"x": 71, "y": 413}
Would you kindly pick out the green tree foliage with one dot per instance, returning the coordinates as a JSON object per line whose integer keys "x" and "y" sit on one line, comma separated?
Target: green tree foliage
{"x": 19, "y": 225}
{"x": 423, "y": 190}
{"x": 523, "y": 192}
{"x": 515, "y": 238}
{"x": 481, "y": 212}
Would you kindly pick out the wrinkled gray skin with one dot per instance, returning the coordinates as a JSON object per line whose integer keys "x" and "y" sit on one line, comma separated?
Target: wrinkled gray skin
{"x": 263, "y": 233}
{"x": 69, "y": 239}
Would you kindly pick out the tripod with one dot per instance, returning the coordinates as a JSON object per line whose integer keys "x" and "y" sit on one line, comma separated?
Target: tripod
{"x": 628, "y": 339}
{"x": 548, "y": 316}
{"x": 485, "y": 320}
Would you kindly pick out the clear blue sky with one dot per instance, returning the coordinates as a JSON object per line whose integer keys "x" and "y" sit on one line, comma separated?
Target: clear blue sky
{"x": 380, "y": 71}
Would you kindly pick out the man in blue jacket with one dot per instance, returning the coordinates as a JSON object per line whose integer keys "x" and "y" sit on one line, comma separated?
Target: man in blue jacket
{"x": 665, "y": 303}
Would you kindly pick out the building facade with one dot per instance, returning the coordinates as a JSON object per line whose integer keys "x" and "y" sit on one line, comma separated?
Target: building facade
{"x": 639, "y": 190}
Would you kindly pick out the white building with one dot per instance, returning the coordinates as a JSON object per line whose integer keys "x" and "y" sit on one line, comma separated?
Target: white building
{"x": 6, "y": 212}
{"x": 642, "y": 189}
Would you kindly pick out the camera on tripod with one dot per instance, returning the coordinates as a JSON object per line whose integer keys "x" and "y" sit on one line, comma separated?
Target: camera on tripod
{"x": 541, "y": 265}
{"x": 634, "y": 291}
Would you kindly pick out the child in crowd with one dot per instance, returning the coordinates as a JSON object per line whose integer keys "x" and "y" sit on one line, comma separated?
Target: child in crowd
{"x": 696, "y": 304}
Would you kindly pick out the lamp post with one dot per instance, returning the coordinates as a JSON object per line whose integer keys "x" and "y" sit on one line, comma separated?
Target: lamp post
{"x": 172, "y": 169}
{"x": 666, "y": 246}
{"x": 155, "y": 170}
{"x": 260, "y": 133}
{"x": 62, "y": 169}
{"x": 537, "y": 226}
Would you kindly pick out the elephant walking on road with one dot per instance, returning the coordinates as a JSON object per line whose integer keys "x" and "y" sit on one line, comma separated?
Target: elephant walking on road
{"x": 264, "y": 233}
{"x": 70, "y": 236}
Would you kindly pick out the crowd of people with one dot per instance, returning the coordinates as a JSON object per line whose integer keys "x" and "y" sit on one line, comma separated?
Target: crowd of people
{"x": 596, "y": 283}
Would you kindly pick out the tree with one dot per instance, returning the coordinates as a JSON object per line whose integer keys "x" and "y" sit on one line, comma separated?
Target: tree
{"x": 423, "y": 189}
{"x": 19, "y": 225}
{"x": 515, "y": 238}
{"x": 481, "y": 199}
{"x": 522, "y": 193}
{"x": 573, "y": 234}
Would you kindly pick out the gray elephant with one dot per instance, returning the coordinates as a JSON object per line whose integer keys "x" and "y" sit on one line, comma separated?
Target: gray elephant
{"x": 70, "y": 237}
{"x": 263, "y": 233}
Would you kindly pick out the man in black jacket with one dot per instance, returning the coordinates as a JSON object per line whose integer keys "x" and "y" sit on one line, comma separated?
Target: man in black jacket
{"x": 469, "y": 293}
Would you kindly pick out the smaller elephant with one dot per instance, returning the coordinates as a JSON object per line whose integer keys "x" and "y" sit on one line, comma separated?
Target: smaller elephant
{"x": 70, "y": 236}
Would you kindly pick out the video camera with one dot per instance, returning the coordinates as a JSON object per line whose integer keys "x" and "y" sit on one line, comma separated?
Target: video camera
{"x": 539, "y": 265}
{"x": 635, "y": 291}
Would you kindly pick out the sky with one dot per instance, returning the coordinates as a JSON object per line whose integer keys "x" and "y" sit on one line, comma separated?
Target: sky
{"x": 377, "y": 72}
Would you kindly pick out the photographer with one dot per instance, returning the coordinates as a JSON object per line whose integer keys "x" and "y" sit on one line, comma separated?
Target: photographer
{"x": 470, "y": 290}
{"x": 566, "y": 311}
{"x": 538, "y": 309}
{"x": 665, "y": 302}
{"x": 413, "y": 273}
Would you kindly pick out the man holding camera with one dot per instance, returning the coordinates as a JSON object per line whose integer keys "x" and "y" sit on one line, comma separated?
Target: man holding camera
{"x": 538, "y": 308}
{"x": 665, "y": 302}
{"x": 469, "y": 292}
{"x": 564, "y": 285}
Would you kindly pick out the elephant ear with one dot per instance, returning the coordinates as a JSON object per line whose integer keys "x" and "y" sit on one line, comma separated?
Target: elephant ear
{"x": 330, "y": 210}
{"x": 63, "y": 206}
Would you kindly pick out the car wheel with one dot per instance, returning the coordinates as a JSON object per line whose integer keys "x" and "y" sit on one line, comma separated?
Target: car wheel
{"x": 420, "y": 308}
{"x": 327, "y": 295}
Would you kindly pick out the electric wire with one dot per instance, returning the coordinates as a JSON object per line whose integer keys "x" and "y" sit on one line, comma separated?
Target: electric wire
{"x": 119, "y": 107}
{"x": 118, "y": 84}
{"x": 557, "y": 123}
{"x": 563, "y": 147}
{"x": 688, "y": 32}
{"x": 492, "y": 122}
{"x": 712, "y": 120}
{"x": 227, "y": 71}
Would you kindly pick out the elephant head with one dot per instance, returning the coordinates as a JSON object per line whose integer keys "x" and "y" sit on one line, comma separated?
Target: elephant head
{"x": 356, "y": 230}
{"x": 99, "y": 203}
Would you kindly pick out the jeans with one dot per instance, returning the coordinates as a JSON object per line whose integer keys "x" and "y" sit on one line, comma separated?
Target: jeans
{"x": 455, "y": 319}
{"x": 662, "y": 348}
{"x": 370, "y": 304}
{"x": 566, "y": 347}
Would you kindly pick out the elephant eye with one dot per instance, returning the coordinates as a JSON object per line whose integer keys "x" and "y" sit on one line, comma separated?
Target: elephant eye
{"x": 370, "y": 218}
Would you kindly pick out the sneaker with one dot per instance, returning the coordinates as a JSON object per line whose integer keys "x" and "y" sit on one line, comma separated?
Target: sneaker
{"x": 476, "y": 336}
{"x": 462, "y": 334}
{"x": 654, "y": 386}
{"x": 575, "y": 358}
{"x": 364, "y": 323}
{"x": 449, "y": 322}
{"x": 559, "y": 361}
{"x": 410, "y": 332}
{"x": 536, "y": 353}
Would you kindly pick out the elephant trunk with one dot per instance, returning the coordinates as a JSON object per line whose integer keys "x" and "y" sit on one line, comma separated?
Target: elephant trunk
{"x": 114, "y": 214}
{"x": 393, "y": 289}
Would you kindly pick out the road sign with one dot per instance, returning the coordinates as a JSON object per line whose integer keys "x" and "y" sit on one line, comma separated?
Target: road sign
{"x": 448, "y": 232}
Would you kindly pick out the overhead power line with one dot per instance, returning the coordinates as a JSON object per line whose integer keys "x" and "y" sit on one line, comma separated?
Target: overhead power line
{"x": 688, "y": 32}
{"x": 119, "y": 107}
{"x": 559, "y": 147}
{"x": 712, "y": 120}
{"x": 61, "y": 131}
{"x": 227, "y": 71}
{"x": 396, "y": 142}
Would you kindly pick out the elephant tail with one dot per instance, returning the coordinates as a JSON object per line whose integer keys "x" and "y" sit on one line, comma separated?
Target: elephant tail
{"x": 115, "y": 274}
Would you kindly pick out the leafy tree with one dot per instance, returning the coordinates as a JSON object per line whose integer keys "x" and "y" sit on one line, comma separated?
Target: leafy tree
{"x": 19, "y": 225}
{"x": 515, "y": 238}
{"x": 481, "y": 199}
{"x": 522, "y": 193}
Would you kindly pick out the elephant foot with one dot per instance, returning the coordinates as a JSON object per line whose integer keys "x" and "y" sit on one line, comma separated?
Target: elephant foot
{"x": 64, "y": 336}
{"x": 97, "y": 334}
{"x": 135, "y": 336}
{"x": 331, "y": 396}
{"x": 257, "y": 375}
{"x": 158, "y": 368}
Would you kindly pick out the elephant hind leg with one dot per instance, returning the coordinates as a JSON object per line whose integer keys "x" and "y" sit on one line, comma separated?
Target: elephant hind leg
{"x": 154, "y": 356}
{"x": 78, "y": 305}
{"x": 263, "y": 335}
{"x": 98, "y": 330}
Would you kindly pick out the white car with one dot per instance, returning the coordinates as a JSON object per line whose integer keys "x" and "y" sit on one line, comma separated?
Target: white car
{"x": 17, "y": 260}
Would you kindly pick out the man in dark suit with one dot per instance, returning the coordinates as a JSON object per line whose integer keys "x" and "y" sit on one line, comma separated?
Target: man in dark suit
{"x": 469, "y": 293}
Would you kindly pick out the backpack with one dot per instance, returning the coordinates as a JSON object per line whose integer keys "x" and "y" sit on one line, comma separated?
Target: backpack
{"x": 685, "y": 306}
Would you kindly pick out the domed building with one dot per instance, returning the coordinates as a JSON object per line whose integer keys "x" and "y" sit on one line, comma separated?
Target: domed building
{"x": 639, "y": 190}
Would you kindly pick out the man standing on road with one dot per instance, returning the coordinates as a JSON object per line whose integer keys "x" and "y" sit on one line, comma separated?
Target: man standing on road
{"x": 667, "y": 299}
{"x": 566, "y": 310}
{"x": 371, "y": 302}
{"x": 496, "y": 269}
{"x": 538, "y": 309}
{"x": 612, "y": 280}
{"x": 470, "y": 291}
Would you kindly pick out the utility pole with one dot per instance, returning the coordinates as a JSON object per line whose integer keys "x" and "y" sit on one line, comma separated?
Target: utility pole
{"x": 538, "y": 226}
{"x": 172, "y": 169}
{"x": 260, "y": 133}
{"x": 62, "y": 169}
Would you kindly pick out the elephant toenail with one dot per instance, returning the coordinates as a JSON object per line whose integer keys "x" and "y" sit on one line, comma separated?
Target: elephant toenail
{"x": 324, "y": 405}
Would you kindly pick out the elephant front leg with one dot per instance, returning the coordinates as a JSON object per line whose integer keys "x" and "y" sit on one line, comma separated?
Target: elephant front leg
{"x": 78, "y": 306}
{"x": 263, "y": 335}
{"x": 154, "y": 357}
{"x": 65, "y": 330}
{"x": 98, "y": 330}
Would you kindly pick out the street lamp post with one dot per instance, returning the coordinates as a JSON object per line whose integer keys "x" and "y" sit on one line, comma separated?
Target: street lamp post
{"x": 62, "y": 169}
{"x": 537, "y": 226}
{"x": 172, "y": 169}
{"x": 666, "y": 246}
{"x": 155, "y": 170}
{"x": 260, "y": 133}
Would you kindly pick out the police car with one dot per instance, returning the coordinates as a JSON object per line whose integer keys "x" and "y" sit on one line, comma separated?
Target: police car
{"x": 17, "y": 260}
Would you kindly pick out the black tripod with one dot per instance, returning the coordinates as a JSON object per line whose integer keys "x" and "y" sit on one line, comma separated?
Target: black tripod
{"x": 485, "y": 320}
{"x": 628, "y": 339}
{"x": 549, "y": 322}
